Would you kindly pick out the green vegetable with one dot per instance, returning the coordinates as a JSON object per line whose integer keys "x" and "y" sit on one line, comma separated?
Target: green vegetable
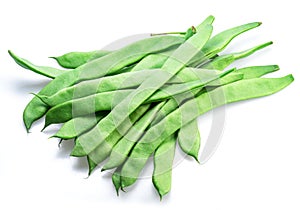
{"x": 42, "y": 70}
{"x": 77, "y": 126}
{"x": 73, "y": 60}
{"x": 84, "y": 144}
{"x": 237, "y": 91}
{"x": 163, "y": 163}
{"x": 109, "y": 64}
{"x": 103, "y": 151}
{"x": 189, "y": 139}
{"x": 123, "y": 147}
{"x": 142, "y": 99}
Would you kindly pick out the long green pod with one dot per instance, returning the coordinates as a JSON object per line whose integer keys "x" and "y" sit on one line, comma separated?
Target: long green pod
{"x": 237, "y": 91}
{"x": 109, "y": 100}
{"x": 223, "y": 61}
{"x": 73, "y": 60}
{"x": 189, "y": 139}
{"x": 42, "y": 70}
{"x": 122, "y": 148}
{"x": 103, "y": 151}
{"x": 163, "y": 162}
{"x": 220, "y": 41}
{"x": 257, "y": 71}
{"x": 77, "y": 126}
{"x": 243, "y": 73}
{"x": 108, "y": 64}
{"x": 84, "y": 145}
{"x": 120, "y": 81}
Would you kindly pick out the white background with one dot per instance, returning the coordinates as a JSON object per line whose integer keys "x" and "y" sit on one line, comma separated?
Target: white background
{"x": 257, "y": 163}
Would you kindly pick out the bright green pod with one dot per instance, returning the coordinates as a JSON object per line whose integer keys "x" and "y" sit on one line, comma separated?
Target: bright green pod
{"x": 163, "y": 162}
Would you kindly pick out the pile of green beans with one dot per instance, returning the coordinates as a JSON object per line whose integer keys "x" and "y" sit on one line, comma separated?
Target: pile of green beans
{"x": 136, "y": 102}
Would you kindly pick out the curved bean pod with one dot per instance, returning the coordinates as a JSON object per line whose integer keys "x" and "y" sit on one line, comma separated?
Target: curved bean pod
{"x": 189, "y": 139}
{"x": 73, "y": 60}
{"x": 77, "y": 126}
{"x": 163, "y": 161}
{"x": 42, "y": 70}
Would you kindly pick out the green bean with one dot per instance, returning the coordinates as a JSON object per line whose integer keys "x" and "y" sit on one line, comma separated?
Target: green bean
{"x": 109, "y": 100}
{"x": 163, "y": 162}
{"x": 220, "y": 41}
{"x": 42, "y": 70}
{"x": 152, "y": 61}
{"x": 223, "y": 61}
{"x": 108, "y": 64}
{"x": 115, "y": 82}
{"x": 217, "y": 43}
{"x": 189, "y": 139}
{"x": 122, "y": 148}
{"x": 77, "y": 126}
{"x": 237, "y": 91}
{"x": 102, "y": 151}
{"x": 84, "y": 145}
{"x": 73, "y": 60}
{"x": 257, "y": 71}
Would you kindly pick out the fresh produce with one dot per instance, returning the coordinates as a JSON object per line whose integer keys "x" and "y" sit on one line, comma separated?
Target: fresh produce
{"x": 136, "y": 102}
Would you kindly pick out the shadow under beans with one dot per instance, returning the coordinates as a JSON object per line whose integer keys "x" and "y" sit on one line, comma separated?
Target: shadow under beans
{"x": 65, "y": 148}
{"x": 64, "y": 151}
{"x": 28, "y": 86}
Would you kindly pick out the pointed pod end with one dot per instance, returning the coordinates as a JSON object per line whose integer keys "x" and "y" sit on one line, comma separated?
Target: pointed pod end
{"x": 52, "y": 57}
{"x": 276, "y": 67}
{"x": 45, "y": 126}
{"x": 211, "y": 18}
{"x": 10, "y": 53}
{"x": 78, "y": 150}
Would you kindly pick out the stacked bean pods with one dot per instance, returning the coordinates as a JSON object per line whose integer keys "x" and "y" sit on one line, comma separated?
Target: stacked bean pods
{"x": 127, "y": 105}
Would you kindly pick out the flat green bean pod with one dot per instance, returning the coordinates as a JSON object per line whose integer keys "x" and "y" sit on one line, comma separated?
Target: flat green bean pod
{"x": 163, "y": 163}
{"x": 121, "y": 81}
{"x": 77, "y": 126}
{"x": 42, "y": 70}
{"x": 73, "y": 60}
